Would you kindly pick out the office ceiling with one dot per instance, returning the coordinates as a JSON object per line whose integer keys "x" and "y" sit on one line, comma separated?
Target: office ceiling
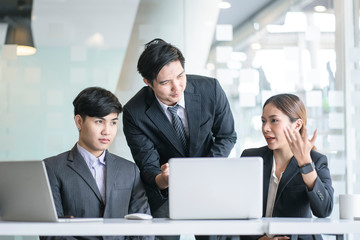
{"x": 68, "y": 22}
{"x": 244, "y": 15}
{"x": 241, "y": 11}
{"x": 70, "y": 12}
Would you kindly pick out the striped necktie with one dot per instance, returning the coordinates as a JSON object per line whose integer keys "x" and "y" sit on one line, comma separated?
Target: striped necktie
{"x": 179, "y": 127}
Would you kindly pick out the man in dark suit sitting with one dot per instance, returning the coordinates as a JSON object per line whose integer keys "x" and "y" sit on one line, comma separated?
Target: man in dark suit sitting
{"x": 175, "y": 115}
{"x": 88, "y": 181}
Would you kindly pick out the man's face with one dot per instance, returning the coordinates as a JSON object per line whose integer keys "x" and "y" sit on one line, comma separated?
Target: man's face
{"x": 170, "y": 84}
{"x": 95, "y": 133}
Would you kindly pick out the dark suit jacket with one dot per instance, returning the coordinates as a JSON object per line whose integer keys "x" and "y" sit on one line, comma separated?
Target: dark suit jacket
{"x": 293, "y": 199}
{"x": 152, "y": 138}
{"x": 76, "y": 194}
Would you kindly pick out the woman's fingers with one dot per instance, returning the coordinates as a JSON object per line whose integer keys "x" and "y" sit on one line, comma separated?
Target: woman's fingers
{"x": 314, "y": 137}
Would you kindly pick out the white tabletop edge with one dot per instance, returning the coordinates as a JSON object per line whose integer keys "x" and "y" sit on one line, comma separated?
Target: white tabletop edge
{"x": 312, "y": 226}
{"x": 110, "y": 227}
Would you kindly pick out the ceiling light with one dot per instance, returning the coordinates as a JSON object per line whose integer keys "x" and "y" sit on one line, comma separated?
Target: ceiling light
{"x": 320, "y": 8}
{"x": 238, "y": 56}
{"x": 210, "y": 66}
{"x": 224, "y": 5}
{"x": 256, "y": 46}
{"x": 96, "y": 40}
{"x": 19, "y": 33}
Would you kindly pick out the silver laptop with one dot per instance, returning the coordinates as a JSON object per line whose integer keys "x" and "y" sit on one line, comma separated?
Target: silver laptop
{"x": 25, "y": 194}
{"x": 215, "y": 188}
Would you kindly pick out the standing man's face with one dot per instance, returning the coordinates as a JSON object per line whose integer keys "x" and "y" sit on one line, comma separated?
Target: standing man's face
{"x": 96, "y": 133}
{"x": 170, "y": 84}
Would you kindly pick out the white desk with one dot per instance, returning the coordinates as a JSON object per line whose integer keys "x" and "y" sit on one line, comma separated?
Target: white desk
{"x": 299, "y": 226}
{"x": 109, "y": 227}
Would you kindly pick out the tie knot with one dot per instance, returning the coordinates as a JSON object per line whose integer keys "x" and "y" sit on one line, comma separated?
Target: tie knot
{"x": 173, "y": 110}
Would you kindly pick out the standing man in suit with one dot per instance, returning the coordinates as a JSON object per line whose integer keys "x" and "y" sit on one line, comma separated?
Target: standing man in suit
{"x": 88, "y": 181}
{"x": 201, "y": 125}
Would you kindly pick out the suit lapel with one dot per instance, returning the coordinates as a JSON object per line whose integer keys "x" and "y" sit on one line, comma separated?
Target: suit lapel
{"x": 158, "y": 117}
{"x": 111, "y": 173}
{"x": 268, "y": 164}
{"x": 193, "y": 111}
{"x": 78, "y": 164}
{"x": 288, "y": 175}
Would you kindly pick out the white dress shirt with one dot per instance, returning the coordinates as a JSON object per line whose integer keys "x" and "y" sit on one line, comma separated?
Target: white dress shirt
{"x": 273, "y": 187}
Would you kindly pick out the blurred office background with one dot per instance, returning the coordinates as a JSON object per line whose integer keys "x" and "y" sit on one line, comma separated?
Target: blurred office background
{"x": 255, "y": 48}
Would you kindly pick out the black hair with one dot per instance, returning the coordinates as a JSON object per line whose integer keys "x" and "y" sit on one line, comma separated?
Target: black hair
{"x": 96, "y": 102}
{"x": 156, "y": 55}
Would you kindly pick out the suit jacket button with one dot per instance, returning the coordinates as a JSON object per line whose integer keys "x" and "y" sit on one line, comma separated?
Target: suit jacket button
{"x": 102, "y": 206}
{"x": 321, "y": 196}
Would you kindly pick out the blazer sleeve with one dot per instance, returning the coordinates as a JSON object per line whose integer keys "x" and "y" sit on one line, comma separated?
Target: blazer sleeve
{"x": 321, "y": 196}
{"x": 142, "y": 148}
{"x": 223, "y": 128}
{"x": 139, "y": 200}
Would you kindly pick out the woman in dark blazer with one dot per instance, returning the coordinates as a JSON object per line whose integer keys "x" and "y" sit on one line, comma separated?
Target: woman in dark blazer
{"x": 297, "y": 180}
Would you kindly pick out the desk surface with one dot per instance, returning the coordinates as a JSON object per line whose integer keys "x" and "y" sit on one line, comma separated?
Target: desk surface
{"x": 110, "y": 227}
{"x": 312, "y": 226}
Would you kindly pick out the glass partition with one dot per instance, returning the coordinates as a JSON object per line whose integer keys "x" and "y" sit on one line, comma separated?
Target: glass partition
{"x": 294, "y": 53}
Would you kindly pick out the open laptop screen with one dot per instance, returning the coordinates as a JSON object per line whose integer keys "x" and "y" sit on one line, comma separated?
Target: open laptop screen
{"x": 25, "y": 193}
{"x": 215, "y": 188}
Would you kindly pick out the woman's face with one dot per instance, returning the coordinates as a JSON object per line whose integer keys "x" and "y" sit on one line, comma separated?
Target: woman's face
{"x": 274, "y": 122}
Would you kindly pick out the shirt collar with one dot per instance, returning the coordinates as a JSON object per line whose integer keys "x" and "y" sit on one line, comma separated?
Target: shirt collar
{"x": 273, "y": 167}
{"x": 164, "y": 107}
{"x": 89, "y": 158}
{"x": 276, "y": 180}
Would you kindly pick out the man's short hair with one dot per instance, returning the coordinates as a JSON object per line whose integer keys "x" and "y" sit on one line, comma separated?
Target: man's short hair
{"x": 156, "y": 55}
{"x": 96, "y": 102}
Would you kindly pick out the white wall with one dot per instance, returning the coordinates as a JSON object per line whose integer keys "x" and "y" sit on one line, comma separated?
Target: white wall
{"x": 79, "y": 44}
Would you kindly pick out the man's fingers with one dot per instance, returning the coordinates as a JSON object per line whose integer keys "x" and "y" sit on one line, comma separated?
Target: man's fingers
{"x": 164, "y": 167}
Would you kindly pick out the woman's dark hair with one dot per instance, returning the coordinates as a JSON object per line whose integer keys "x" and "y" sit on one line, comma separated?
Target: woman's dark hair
{"x": 96, "y": 102}
{"x": 291, "y": 105}
{"x": 156, "y": 55}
